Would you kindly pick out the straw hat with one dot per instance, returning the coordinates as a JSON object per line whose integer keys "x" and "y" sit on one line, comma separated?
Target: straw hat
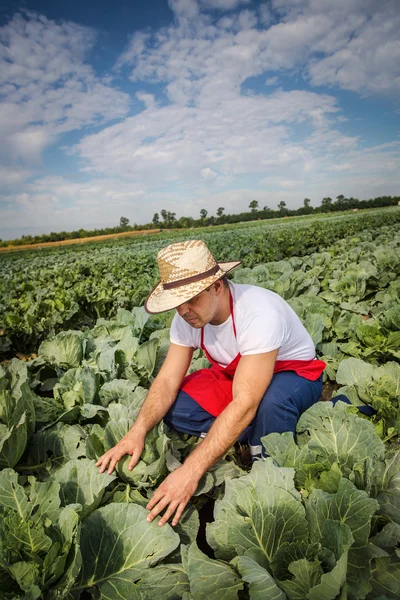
{"x": 186, "y": 270}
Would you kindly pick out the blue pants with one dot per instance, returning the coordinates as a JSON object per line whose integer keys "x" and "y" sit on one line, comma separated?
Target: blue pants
{"x": 286, "y": 398}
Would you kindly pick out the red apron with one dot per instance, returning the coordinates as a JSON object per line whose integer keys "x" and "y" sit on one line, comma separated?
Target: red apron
{"x": 212, "y": 388}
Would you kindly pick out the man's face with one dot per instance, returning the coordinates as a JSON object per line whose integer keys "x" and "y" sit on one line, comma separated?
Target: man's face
{"x": 200, "y": 310}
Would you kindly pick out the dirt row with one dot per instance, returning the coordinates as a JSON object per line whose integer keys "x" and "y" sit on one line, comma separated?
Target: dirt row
{"x": 97, "y": 238}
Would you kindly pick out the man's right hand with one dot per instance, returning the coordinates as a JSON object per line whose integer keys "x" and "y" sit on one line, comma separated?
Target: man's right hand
{"x": 131, "y": 443}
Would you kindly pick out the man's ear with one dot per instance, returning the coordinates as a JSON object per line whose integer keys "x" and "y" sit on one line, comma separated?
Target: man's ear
{"x": 219, "y": 286}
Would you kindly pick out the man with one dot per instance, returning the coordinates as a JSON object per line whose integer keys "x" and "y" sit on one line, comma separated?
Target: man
{"x": 263, "y": 376}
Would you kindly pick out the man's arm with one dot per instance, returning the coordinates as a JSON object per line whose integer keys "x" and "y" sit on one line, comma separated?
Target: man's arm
{"x": 160, "y": 398}
{"x": 252, "y": 378}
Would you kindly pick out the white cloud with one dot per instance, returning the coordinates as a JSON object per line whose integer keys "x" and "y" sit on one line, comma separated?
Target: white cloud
{"x": 47, "y": 87}
{"x": 208, "y": 174}
{"x": 241, "y": 135}
{"x": 11, "y": 177}
{"x": 358, "y": 40}
{"x": 184, "y": 9}
{"x": 148, "y": 100}
{"x": 336, "y": 43}
{"x": 29, "y": 143}
{"x": 55, "y": 199}
{"x": 291, "y": 183}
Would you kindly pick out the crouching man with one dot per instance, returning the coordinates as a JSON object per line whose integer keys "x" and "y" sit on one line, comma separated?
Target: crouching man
{"x": 263, "y": 373}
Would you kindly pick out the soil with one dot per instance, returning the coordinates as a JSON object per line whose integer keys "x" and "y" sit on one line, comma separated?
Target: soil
{"x": 206, "y": 515}
{"x": 97, "y": 238}
{"x": 327, "y": 390}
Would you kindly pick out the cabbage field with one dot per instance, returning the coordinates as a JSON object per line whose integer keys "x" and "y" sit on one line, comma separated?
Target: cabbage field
{"x": 318, "y": 520}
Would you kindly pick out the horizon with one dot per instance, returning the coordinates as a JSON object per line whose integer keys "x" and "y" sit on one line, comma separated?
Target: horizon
{"x": 193, "y": 104}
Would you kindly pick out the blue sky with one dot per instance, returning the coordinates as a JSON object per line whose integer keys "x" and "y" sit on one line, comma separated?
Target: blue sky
{"x": 131, "y": 107}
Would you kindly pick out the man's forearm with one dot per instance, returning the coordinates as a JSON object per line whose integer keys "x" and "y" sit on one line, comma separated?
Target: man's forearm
{"x": 223, "y": 433}
{"x": 160, "y": 398}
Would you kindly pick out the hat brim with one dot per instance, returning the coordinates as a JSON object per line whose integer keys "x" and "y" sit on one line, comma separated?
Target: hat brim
{"x": 160, "y": 300}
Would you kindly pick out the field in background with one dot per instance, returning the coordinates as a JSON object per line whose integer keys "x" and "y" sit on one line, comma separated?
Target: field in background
{"x": 46, "y": 290}
{"x": 166, "y": 233}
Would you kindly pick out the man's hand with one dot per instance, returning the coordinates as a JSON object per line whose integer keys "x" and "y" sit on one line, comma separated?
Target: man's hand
{"x": 131, "y": 443}
{"x": 174, "y": 493}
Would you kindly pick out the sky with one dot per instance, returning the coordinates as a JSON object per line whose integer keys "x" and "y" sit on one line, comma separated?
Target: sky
{"x": 125, "y": 108}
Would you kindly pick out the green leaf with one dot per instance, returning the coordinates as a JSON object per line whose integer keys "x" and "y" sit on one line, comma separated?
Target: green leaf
{"x": 44, "y": 500}
{"x": 336, "y": 537}
{"x": 164, "y": 582}
{"x": 140, "y": 318}
{"x": 67, "y": 569}
{"x": 26, "y": 574}
{"x": 53, "y": 447}
{"x": 124, "y": 392}
{"x": 261, "y": 583}
{"x": 314, "y": 323}
{"x": 355, "y": 509}
{"x": 211, "y": 579}
{"x": 12, "y": 494}
{"x": 386, "y": 578}
{"x": 349, "y": 505}
{"x": 17, "y": 414}
{"x": 127, "y": 346}
{"x": 81, "y": 483}
{"x": 115, "y": 390}
{"x": 306, "y": 460}
{"x": 258, "y": 512}
{"x": 117, "y": 544}
{"x": 77, "y": 387}
{"x": 146, "y": 355}
{"x": 13, "y": 442}
{"x": 389, "y": 538}
{"x": 332, "y": 433}
{"x": 65, "y": 350}
{"x": 305, "y": 576}
{"x": 152, "y": 466}
{"x": 353, "y": 371}
{"x": 386, "y": 486}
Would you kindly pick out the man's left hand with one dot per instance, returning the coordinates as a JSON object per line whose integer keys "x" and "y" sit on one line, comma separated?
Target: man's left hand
{"x": 173, "y": 494}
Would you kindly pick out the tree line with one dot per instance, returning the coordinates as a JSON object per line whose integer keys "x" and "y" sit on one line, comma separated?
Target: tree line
{"x": 166, "y": 219}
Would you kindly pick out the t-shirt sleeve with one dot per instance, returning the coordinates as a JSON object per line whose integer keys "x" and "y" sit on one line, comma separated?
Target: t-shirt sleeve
{"x": 182, "y": 334}
{"x": 261, "y": 333}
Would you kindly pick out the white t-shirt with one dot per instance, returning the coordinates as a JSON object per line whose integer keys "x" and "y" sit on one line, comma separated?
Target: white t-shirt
{"x": 264, "y": 322}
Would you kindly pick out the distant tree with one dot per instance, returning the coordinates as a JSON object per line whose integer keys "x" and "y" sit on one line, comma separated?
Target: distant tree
{"x": 326, "y": 204}
{"x": 253, "y": 205}
{"x": 156, "y": 219}
{"x": 171, "y": 216}
{"x": 185, "y": 222}
{"x": 266, "y": 208}
{"x": 220, "y": 211}
{"x": 203, "y": 213}
{"x": 282, "y": 206}
{"x": 123, "y": 222}
{"x": 306, "y": 209}
{"x": 341, "y": 202}
{"x": 164, "y": 215}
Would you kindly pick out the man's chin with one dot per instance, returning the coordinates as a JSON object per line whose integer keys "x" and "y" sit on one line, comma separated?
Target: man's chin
{"x": 195, "y": 323}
